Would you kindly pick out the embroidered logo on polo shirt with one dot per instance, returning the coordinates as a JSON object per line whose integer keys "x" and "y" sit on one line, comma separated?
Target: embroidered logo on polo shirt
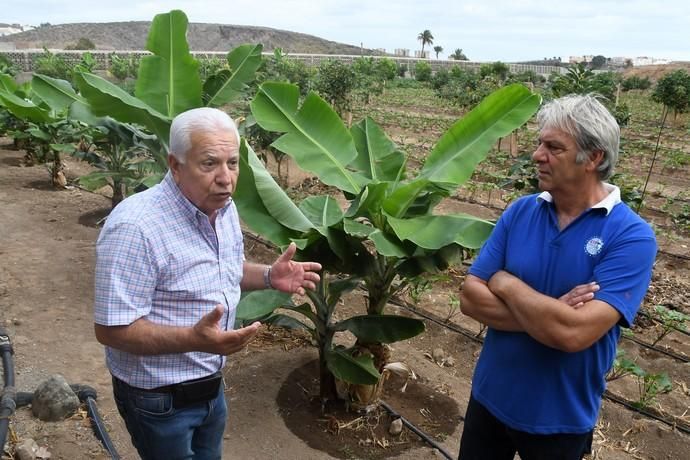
{"x": 594, "y": 246}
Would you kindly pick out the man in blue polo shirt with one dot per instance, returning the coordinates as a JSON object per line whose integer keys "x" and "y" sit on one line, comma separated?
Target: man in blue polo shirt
{"x": 561, "y": 273}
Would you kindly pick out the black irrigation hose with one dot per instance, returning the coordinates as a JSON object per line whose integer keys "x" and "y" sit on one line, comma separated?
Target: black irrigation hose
{"x": 425, "y": 437}
{"x": 88, "y": 396}
{"x": 672, "y": 354}
{"x": 618, "y": 400}
{"x": 675, "y": 328}
{"x": 8, "y": 394}
{"x": 10, "y": 399}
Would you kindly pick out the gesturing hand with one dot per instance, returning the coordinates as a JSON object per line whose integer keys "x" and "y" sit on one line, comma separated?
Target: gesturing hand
{"x": 580, "y": 294}
{"x": 210, "y": 338}
{"x": 293, "y": 277}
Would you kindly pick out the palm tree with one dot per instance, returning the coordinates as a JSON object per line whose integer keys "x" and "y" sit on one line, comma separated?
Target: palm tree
{"x": 426, "y": 38}
{"x": 458, "y": 55}
{"x": 438, "y": 49}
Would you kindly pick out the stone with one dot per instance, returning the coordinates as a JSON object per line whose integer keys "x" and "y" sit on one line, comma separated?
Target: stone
{"x": 438, "y": 355}
{"x": 54, "y": 400}
{"x": 26, "y": 450}
{"x": 396, "y": 427}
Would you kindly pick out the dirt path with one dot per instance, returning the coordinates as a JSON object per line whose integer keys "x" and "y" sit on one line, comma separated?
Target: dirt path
{"x": 47, "y": 241}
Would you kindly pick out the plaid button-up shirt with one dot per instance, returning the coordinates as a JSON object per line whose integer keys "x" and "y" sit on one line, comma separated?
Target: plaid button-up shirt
{"x": 159, "y": 258}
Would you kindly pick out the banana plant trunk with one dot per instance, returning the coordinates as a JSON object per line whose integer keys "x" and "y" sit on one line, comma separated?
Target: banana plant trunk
{"x": 327, "y": 383}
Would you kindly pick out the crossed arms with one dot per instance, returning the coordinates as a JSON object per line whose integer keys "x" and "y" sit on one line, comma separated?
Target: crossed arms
{"x": 570, "y": 323}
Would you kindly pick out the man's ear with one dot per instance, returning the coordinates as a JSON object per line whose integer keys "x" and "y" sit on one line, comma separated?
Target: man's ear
{"x": 595, "y": 159}
{"x": 174, "y": 165}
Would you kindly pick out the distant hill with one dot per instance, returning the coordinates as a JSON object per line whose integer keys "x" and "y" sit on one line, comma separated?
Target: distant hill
{"x": 656, "y": 72}
{"x": 202, "y": 37}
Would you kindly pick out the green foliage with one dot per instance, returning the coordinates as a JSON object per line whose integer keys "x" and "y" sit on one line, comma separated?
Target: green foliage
{"x": 673, "y": 90}
{"x": 458, "y": 55}
{"x": 438, "y": 50}
{"x": 120, "y": 154}
{"x": 280, "y": 67}
{"x": 580, "y": 80}
{"x": 463, "y": 87}
{"x": 422, "y": 71}
{"x": 636, "y": 82}
{"x": 372, "y": 75}
{"x": 83, "y": 43}
{"x": 335, "y": 82}
{"x": 123, "y": 68}
{"x": 52, "y": 65}
{"x": 527, "y": 76}
{"x": 621, "y": 367}
{"x": 210, "y": 66}
{"x": 496, "y": 69}
{"x": 670, "y": 320}
{"x": 388, "y": 231}
{"x": 598, "y": 62}
{"x": 426, "y": 38}
{"x": 630, "y": 187}
{"x": 650, "y": 386}
{"x": 7, "y": 67}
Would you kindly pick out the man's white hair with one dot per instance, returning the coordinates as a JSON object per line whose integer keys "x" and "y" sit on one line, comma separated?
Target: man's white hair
{"x": 200, "y": 120}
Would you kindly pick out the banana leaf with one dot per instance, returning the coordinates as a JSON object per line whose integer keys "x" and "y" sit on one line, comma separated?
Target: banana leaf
{"x": 381, "y": 328}
{"x": 226, "y": 85}
{"x": 379, "y": 158}
{"x": 358, "y": 370}
{"x": 257, "y": 304}
{"x": 468, "y": 141}
{"x": 315, "y": 136}
{"x": 107, "y": 99}
{"x": 435, "y": 232}
{"x": 169, "y": 80}
{"x": 23, "y": 109}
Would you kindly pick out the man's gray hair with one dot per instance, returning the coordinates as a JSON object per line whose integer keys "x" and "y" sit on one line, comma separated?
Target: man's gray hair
{"x": 200, "y": 120}
{"x": 590, "y": 123}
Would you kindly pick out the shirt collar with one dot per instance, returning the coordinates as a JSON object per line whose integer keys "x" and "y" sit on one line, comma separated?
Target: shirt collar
{"x": 612, "y": 198}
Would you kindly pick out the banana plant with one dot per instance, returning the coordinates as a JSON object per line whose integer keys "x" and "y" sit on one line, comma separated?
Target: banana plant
{"x": 168, "y": 83}
{"x": 386, "y": 234}
{"x": 47, "y": 126}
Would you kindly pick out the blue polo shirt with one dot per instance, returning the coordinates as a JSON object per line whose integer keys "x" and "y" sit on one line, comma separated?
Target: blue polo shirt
{"x": 527, "y": 385}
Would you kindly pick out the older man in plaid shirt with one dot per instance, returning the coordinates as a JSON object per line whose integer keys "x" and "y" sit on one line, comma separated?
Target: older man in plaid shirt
{"x": 169, "y": 271}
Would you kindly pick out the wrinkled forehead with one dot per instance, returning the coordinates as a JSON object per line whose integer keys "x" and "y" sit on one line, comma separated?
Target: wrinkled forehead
{"x": 215, "y": 142}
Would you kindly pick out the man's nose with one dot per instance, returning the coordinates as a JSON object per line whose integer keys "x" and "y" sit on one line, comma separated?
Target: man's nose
{"x": 224, "y": 176}
{"x": 539, "y": 153}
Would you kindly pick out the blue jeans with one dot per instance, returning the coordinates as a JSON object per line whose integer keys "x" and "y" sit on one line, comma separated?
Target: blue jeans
{"x": 160, "y": 431}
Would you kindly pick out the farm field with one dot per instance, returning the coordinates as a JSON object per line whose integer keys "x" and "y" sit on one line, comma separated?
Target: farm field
{"x": 47, "y": 240}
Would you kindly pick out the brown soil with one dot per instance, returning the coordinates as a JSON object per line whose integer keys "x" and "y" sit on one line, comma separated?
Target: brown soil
{"x": 47, "y": 240}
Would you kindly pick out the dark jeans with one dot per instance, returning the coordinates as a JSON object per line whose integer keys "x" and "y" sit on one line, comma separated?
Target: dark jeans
{"x": 161, "y": 431}
{"x": 484, "y": 437}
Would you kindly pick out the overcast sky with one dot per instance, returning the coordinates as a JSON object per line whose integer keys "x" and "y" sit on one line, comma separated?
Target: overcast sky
{"x": 486, "y": 30}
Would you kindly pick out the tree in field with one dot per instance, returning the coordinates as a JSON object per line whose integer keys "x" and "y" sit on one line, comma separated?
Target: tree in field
{"x": 426, "y": 38}
{"x": 437, "y": 50}
{"x": 598, "y": 62}
{"x": 458, "y": 55}
{"x": 673, "y": 90}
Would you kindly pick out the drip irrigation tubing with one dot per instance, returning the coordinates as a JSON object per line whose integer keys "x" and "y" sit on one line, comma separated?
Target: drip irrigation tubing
{"x": 658, "y": 321}
{"x": 425, "y": 437}
{"x": 10, "y": 400}
{"x": 672, "y": 354}
{"x": 8, "y": 394}
{"x": 680, "y": 426}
